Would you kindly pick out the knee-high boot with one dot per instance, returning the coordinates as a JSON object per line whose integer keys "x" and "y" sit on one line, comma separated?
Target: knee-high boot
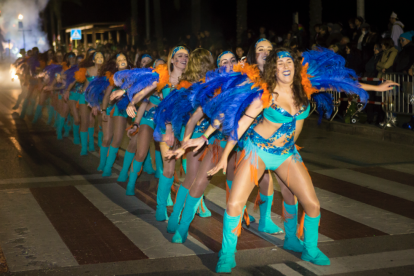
{"x": 178, "y": 207}
{"x": 184, "y": 164}
{"x": 133, "y": 175}
{"x": 202, "y": 209}
{"x": 128, "y": 157}
{"x": 59, "y": 128}
{"x": 227, "y": 259}
{"x": 76, "y": 136}
{"x": 291, "y": 224}
{"x": 67, "y": 126}
{"x": 100, "y": 137}
{"x": 148, "y": 164}
{"x": 265, "y": 223}
{"x": 164, "y": 187}
{"x": 91, "y": 132}
{"x": 311, "y": 252}
{"x": 84, "y": 142}
{"x": 189, "y": 211}
{"x": 110, "y": 161}
{"x": 158, "y": 163}
{"x": 103, "y": 156}
{"x": 38, "y": 113}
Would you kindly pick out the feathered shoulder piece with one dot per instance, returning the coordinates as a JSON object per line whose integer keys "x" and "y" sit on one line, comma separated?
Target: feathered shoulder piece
{"x": 80, "y": 75}
{"x": 70, "y": 75}
{"x": 164, "y": 76}
{"x": 64, "y": 66}
{"x": 50, "y": 62}
{"x": 52, "y": 70}
{"x": 252, "y": 72}
{"x": 110, "y": 78}
{"x": 95, "y": 91}
{"x": 184, "y": 84}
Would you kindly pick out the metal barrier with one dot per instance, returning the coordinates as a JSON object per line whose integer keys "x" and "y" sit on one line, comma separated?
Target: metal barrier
{"x": 336, "y": 96}
{"x": 399, "y": 100}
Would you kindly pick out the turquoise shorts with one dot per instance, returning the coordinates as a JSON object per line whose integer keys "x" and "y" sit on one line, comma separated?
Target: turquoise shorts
{"x": 116, "y": 111}
{"x": 82, "y": 99}
{"x": 145, "y": 121}
{"x": 73, "y": 96}
{"x": 148, "y": 118}
{"x": 60, "y": 96}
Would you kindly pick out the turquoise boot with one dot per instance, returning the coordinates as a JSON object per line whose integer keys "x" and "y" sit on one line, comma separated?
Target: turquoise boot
{"x": 189, "y": 211}
{"x": 91, "y": 132}
{"x": 84, "y": 143}
{"x": 202, "y": 210}
{"x": 148, "y": 164}
{"x": 227, "y": 259}
{"x": 164, "y": 187}
{"x": 100, "y": 137}
{"x": 229, "y": 183}
{"x": 159, "y": 164}
{"x": 59, "y": 129}
{"x": 265, "y": 223}
{"x": 291, "y": 224}
{"x": 128, "y": 157}
{"x": 311, "y": 252}
{"x": 110, "y": 161}
{"x": 50, "y": 114}
{"x": 38, "y": 113}
{"x": 103, "y": 156}
{"x": 169, "y": 200}
{"x": 133, "y": 175}
{"x": 76, "y": 136}
{"x": 178, "y": 207}
{"x": 67, "y": 126}
{"x": 184, "y": 164}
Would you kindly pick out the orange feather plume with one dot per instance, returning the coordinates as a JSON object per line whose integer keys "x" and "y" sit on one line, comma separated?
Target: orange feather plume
{"x": 42, "y": 64}
{"x": 164, "y": 76}
{"x": 64, "y": 66}
{"x": 306, "y": 83}
{"x": 110, "y": 78}
{"x": 184, "y": 84}
{"x": 80, "y": 75}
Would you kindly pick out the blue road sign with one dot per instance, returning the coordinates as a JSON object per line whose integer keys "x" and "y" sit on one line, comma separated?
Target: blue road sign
{"x": 76, "y": 34}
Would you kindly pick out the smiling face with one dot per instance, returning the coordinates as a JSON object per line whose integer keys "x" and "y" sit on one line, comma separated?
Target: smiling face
{"x": 158, "y": 62}
{"x": 285, "y": 70}
{"x": 99, "y": 58}
{"x": 121, "y": 62}
{"x": 227, "y": 60}
{"x": 180, "y": 59}
{"x": 145, "y": 61}
{"x": 262, "y": 52}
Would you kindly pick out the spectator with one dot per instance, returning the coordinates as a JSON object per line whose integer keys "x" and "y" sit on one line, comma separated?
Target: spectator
{"x": 342, "y": 45}
{"x": 239, "y": 52}
{"x": 388, "y": 56}
{"x": 351, "y": 30}
{"x": 273, "y": 38}
{"x": 334, "y": 34}
{"x": 207, "y": 40}
{"x": 396, "y": 30}
{"x": 262, "y": 32}
{"x": 405, "y": 58}
{"x": 334, "y": 48}
{"x": 323, "y": 36}
{"x": 362, "y": 37}
{"x": 315, "y": 37}
{"x": 371, "y": 66}
{"x": 358, "y": 30}
{"x": 353, "y": 58}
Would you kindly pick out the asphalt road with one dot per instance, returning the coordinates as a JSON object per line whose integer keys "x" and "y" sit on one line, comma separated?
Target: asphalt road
{"x": 58, "y": 216}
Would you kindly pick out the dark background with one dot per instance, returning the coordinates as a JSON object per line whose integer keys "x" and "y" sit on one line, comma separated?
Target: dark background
{"x": 220, "y": 15}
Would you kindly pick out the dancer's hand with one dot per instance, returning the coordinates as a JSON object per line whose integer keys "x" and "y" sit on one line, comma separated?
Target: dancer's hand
{"x": 131, "y": 110}
{"x": 116, "y": 94}
{"x": 387, "y": 85}
{"x": 95, "y": 111}
{"x": 104, "y": 117}
{"x": 177, "y": 153}
{"x": 222, "y": 164}
{"x": 198, "y": 143}
{"x": 131, "y": 131}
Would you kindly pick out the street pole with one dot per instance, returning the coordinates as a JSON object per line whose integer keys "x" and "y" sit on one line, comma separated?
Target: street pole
{"x": 361, "y": 8}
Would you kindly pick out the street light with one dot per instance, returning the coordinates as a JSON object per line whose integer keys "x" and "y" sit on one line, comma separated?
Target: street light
{"x": 20, "y": 17}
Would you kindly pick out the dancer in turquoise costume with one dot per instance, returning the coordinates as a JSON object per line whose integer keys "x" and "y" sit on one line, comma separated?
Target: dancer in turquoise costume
{"x": 283, "y": 97}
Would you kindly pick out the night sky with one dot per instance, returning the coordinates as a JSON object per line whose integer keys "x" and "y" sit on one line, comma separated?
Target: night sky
{"x": 220, "y": 15}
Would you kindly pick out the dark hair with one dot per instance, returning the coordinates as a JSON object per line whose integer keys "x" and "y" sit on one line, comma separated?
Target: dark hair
{"x": 110, "y": 65}
{"x": 323, "y": 27}
{"x": 138, "y": 65}
{"x": 88, "y": 62}
{"x": 269, "y": 72}
{"x": 251, "y": 54}
{"x": 388, "y": 42}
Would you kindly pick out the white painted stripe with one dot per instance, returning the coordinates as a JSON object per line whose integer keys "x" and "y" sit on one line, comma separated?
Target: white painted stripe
{"x": 28, "y": 239}
{"x": 405, "y": 168}
{"x": 218, "y": 196}
{"x": 285, "y": 270}
{"x": 372, "y": 182}
{"x": 371, "y": 216}
{"x": 321, "y": 159}
{"x": 363, "y": 262}
{"x": 54, "y": 178}
{"x": 137, "y": 221}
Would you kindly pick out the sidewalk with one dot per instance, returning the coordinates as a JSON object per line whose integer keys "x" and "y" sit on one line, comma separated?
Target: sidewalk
{"x": 394, "y": 134}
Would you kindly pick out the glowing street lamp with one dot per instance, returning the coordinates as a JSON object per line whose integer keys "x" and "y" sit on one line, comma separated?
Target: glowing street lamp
{"x": 20, "y": 17}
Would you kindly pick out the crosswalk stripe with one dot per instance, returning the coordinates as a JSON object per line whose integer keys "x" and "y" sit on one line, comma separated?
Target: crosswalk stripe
{"x": 372, "y": 182}
{"x": 285, "y": 270}
{"x": 364, "y": 262}
{"x": 371, "y": 216}
{"x": 388, "y": 174}
{"x": 365, "y": 195}
{"x": 53, "y": 179}
{"x": 137, "y": 221}
{"x": 405, "y": 168}
{"x": 28, "y": 239}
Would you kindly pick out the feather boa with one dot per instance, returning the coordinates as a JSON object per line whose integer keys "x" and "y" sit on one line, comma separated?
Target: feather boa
{"x": 164, "y": 76}
{"x": 324, "y": 105}
{"x": 70, "y": 75}
{"x": 64, "y": 66}
{"x": 95, "y": 91}
{"x": 80, "y": 75}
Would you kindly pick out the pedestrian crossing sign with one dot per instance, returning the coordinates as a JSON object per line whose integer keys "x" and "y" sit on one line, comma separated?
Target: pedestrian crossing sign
{"x": 75, "y": 34}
